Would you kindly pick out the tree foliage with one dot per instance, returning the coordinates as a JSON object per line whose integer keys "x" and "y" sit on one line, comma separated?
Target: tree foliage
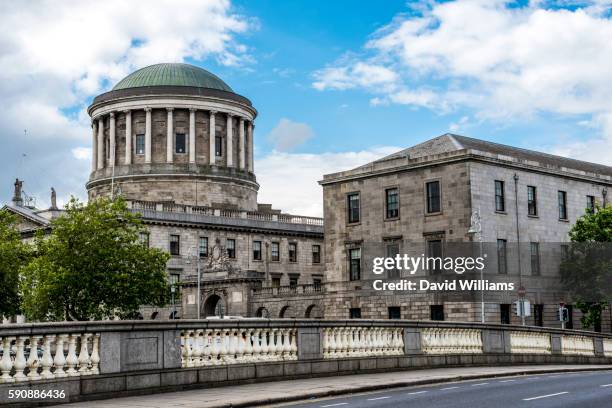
{"x": 94, "y": 266}
{"x": 14, "y": 255}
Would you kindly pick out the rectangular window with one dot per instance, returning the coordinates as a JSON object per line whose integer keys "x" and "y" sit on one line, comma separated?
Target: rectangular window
{"x": 433, "y": 197}
{"x": 175, "y": 245}
{"x": 355, "y": 264}
{"x": 532, "y": 201}
{"x": 293, "y": 282}
{"x": 434, "y": 251}
{"x": 203, "y": 247}
{"x": 316, "y": 254}
{"x": 535, "y": 259}
{"x": 292, "y": 252}
{"x": 316, "y": 282}
{"x": 504, "y": 313}
{"x": 140, "y": 144}
{"x": 502, "y": 260}
{"x": 218, "y": 146}
{"x": 144, "y": 239}
{"x": 174, "y": 278}
{"x": 590, "y": 204}
{"x": 392, "y": 202}
{"x": 274, "y": 252}
{"x": 180, "y": 145}
{"x": 353, "y": 207}
{"x": 276, "y": 282}
{"x": 230, "y": 247}
{"x": 500, "y": 200}
{"x": 395, "y": 312}
{"x": 538, "y": 315}
{"x": 392, "y": 251}
{"x": 257, "y": 250}
{"x": 562, "y": 195}
{"x": 355, "y": 313}
{"x": 436, "y": 312}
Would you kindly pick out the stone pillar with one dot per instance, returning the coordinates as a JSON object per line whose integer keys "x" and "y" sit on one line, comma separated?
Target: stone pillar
{"x": 128, "y": 137}
{"x": 113, "y": 139}
{"x": 251, "y": 145}
{"x": 94, "y": 146}
{"x": 212, "y": 138}
{"x": 169, "y": 136}
{"x": 192, "y": 136}
{"x": 100, "y": 143}
{"x": 230, "y": 140}
{"x": 148, "y": 135}
{"x": 241, "y": 144}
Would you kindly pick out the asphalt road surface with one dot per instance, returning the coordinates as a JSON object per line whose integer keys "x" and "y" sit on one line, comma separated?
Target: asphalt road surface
{"x": 591, "y": 389}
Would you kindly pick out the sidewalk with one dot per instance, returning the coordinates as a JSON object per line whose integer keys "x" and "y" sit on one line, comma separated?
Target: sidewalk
{"x": 293, "y": 390}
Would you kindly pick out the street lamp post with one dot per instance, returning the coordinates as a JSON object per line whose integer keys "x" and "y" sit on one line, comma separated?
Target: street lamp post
{"x": 476, "y": 228}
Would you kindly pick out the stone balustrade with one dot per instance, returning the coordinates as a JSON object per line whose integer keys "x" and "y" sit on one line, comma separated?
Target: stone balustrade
{"x": 577, "y": 345}
{"x": 607, "y": 347}
{"x": 362, "y": 341}
{"x": 210, "y": 347}
{"x": 525, "y": 342}
{"x": 46, "y": 357}
{"x": 451, "y": 341}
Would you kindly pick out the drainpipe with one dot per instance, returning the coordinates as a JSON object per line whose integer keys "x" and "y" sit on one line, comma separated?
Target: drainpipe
{"x": 518, "y": 236}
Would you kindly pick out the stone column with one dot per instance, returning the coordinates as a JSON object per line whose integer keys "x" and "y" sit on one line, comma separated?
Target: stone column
{"x": 192, "y": 136}
{"x": 241, "y": 144}
{"x": 230, "y": 140}
{"x": 100, "y": 143}
{"x": 113, "y": 139}
{"x": 251, "y": 145}
{"x": 212, "y": 138}
{"x": 128, "y": 137}
{"x": 148, "y": 135}
{"x": 169, "y": 136}
{"x": 94, "y": 146}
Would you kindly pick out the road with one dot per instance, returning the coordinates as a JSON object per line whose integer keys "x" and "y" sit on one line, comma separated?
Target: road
{"x": 592, "y": 389}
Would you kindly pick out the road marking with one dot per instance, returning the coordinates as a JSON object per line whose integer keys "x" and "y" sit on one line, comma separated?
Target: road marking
{"x": 503, "y": 381}
{"x": 475, "y": 385}
{"x": 606, "y": 385}
{"x": 545, "y": 396}
{"x": 416, "y": 392}
{"x": 378, "y": 398}
{"x": 334, "y": 405}
{"x": 448, "y": 388}
{"x": 554, "y": 376}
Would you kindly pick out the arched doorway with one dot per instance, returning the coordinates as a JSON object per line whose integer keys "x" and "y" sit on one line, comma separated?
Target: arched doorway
{"x": 286, "y": 313}
{"x": 154, "y": 315}
{"x": 313, "y": 312}
{"x": 263, "y": 312}
{"x": 214, "y": 306}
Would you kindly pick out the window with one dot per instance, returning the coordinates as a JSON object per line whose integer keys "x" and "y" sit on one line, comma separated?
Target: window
{"x": 433, "y": 197}
{"x": 590, "y": 204}
{"x": 203, "y": 247}
{"x": 355, "y": 313}
{"x": 570, "y": 323}
{"x": 316, "y": 254}
{"x": 180, "y": 145}
{"x": 293, "y": 282}
{"x": 395, "y": 312}
{"x": 562, "y": 195}
{"x": 504, "y": 313}
{"x": 353, "y": 207}
{"x": 230, "y": 247}
{"x": 274, "y": 252}
{"x": 532, "y": 201}
{"x": 316, "y": 282}
{"x": 538, "y": 315}
{"x": 257, "y": 250}
{"x": 355, "y": 264}
{"x": 535, "y": 259}
{"x": 140, "y": 144}
{"x": 144, "y": 239}
{"x": 175, "y": 278}
{"x": 218, "y": 146}
{"x": 436, "y": 312}
{"x": 292, "y": 252}
{"x": 175, "y": 245}
{"x": 502, "y": 260}
{"x": 500, "y": 200}
{"x": 276, "y": 282}
{"x": 392, "y": 202}
{"x": 434, "y": 250}
{"x": 392, "y": 251}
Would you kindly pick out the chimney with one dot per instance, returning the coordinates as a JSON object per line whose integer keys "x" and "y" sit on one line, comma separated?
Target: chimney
{"x": 17, "y": 197}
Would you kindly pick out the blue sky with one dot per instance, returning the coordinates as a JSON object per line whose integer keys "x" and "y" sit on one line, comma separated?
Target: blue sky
{"x": 336, "y": 84}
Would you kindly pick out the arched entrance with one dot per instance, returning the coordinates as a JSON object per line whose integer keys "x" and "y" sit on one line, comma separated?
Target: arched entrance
{"x": 262, "y": 312}
{"x": 286, "y": 313}
{"x": 313, "y": 312}
{"x": 214, "y": 306}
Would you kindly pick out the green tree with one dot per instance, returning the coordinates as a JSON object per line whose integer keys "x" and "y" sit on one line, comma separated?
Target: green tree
{"x": 94, "y": 266}
{"x": 587, "y": 270}
{"x": 14, "y": 255}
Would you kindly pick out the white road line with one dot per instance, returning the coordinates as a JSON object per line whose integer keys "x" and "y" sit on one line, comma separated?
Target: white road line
{"x": 416, "y": 392}
{"x": 334, "y": 405}
{"x": 503, "y": 381}
{"x": 606, "y": 385}
{"x": 475, "y": 385}
{"x": 448, "y": 388}
{"x": 378, "y": 398}
{"x": 554, "y": 376}
{"x": 545, "y": 396}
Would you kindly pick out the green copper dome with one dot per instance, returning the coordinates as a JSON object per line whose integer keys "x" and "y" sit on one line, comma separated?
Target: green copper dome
{"x": 172, "y": 75}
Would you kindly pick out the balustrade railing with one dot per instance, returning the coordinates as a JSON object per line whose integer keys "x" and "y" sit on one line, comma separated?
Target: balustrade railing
{"x": 44, "y": 357}
{"x": 362, "y": 341}
{"x": 451, "y": 341}
{"x": 577, "y": 345}
{"x": 607, "y": 347}
{"x": 530, "y": 343}
{"x": 290, "y": 290}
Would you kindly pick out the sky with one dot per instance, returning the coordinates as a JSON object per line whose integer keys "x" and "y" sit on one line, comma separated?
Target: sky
{"x": 336, "y": 84}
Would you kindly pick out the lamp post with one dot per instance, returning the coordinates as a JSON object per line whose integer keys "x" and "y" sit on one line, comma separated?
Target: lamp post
{"x": 476, "y": 228}
{"x": 172, "y": 289}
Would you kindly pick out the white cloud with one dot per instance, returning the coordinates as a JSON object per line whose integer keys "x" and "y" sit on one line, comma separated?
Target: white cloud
{"x": 359, "y": 74}
{"x": 287, "y": 134}
{"x": 298, "y": 192}
{"x": 82, "y": 153}
{"x": 54, "y": 56}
